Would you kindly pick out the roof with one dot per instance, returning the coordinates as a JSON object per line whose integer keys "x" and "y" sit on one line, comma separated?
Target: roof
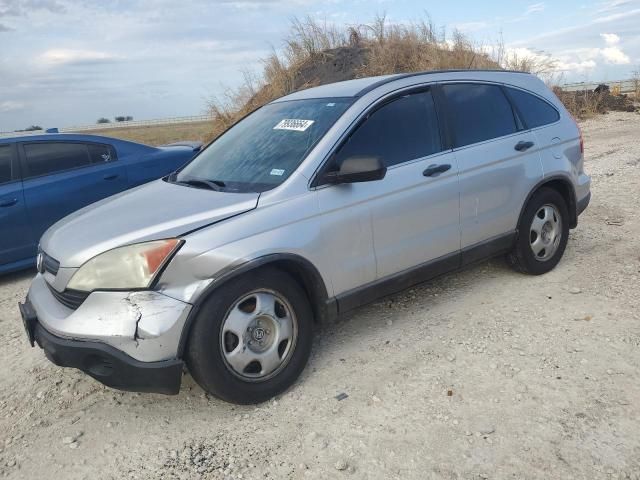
{"x": 78, "y": 137}
{"x": 360, "y": 86}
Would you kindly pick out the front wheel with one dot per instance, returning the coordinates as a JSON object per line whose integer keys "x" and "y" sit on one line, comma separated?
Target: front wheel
{"x": 252, "y": 337}
{"x": 542, "y": 233}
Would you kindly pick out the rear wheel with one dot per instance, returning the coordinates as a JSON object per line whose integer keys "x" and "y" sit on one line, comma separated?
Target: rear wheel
{"x": 542, "y": 233}
{"x": 251, "y": 338}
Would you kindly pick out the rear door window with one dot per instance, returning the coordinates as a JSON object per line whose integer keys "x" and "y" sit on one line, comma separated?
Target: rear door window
{"x": 46, "y": 158}
{"x": 6, "y": 169}
{"x": 534, "y": 111}
{"x": 404, "y": 129}
{"x": 100, "y": 153}
{"x": 478, "y": 112}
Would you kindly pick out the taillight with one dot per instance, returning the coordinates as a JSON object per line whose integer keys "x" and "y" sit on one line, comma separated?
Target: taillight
{"x": 581, "y": 139}
{"x": 579, "y": 133}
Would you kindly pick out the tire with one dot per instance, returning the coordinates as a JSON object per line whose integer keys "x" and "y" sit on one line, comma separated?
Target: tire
{"x": 230, "y": 330}
{"x": 540, "y": 245}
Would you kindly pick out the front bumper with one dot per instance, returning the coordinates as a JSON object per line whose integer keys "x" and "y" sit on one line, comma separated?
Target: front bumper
{"x": 126, "y": 340}
{"x": 145, "y": 325}
{"x": 106, "y": 364}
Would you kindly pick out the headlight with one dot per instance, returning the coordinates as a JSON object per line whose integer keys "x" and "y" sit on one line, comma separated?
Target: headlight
{"x": 129, "y": 267}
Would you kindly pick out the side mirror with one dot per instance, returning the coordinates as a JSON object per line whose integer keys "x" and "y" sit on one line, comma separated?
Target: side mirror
{"x": 358, "y": 169}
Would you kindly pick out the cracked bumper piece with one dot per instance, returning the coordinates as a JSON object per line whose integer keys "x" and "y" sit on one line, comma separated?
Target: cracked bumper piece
{"x": 109, "y": 365}
{"x": 144, "y": 325}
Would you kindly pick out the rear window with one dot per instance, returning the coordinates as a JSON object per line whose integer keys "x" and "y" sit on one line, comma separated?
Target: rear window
{"x": 5, "y": 164}
{"x": 47, "y": 158}
{"x": 478, "y": 112}
{"x": 534, "y": 111}
{"x": 101, "y": 153}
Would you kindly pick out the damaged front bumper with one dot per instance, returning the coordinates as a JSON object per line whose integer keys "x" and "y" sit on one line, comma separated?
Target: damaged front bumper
{"x": 126, "y": 340}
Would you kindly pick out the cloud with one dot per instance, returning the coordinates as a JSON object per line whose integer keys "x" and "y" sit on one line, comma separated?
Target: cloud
{"x": 610, "y": 38}
{"x": 10, "y": 106}
{"x": 609, "y": 5}
{"x": 18, "y": 8}
{"x": 615, "y": 56}
{"x": 612, "y": 54}
{"x": 576, "y": 67}
{"x": 258, "y": 4}
{"x": 534, "y": 8}
{"x": 591, "y": 46}
{"x": 75, "y": 57}
{"x": 4, "y": 28}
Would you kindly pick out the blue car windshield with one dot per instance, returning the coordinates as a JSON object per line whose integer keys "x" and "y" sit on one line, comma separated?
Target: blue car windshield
{"x": 264, "y": 149}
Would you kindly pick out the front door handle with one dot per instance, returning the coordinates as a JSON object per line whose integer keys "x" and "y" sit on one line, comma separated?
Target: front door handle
{"x": 522, "y": 146}
{"x": 435, "y": 170}
{"x": 9, "y": 202}
{"x": 111, "y": 177}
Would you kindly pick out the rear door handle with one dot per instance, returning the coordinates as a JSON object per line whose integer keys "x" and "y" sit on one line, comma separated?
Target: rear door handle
{"x": 111, "y": 177}
{"x": 522, "y": 146}
{"x": 435, "y": 170}
{"x": 9, "y": 202}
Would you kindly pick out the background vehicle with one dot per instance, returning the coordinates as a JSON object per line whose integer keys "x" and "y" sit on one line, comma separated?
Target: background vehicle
{"x": 45, "y": 177}
{"x": 317, "y": 203}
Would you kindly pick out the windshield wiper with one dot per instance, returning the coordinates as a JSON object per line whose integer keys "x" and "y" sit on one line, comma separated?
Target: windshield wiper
{"x": 216, "y": 185}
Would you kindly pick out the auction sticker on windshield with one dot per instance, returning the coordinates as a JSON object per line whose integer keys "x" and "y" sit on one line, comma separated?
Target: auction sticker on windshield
{"x": 293, "y": 124}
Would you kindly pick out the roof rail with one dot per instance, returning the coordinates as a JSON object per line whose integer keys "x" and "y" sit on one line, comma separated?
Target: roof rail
{"x": 400, "y": 76}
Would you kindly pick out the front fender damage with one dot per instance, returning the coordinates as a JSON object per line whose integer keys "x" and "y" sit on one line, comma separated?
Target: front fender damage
{"x": 157, "y": 322}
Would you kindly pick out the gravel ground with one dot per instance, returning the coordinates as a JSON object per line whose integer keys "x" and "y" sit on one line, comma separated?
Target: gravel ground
{"x": 480, "y": 374}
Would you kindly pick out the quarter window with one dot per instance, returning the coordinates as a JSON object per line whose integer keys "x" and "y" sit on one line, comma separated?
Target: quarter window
{"x": 401, "y": 130}
{"x": 5, "y": 164}
{"x": 533, "y": 110}
{"x": 48, "y": 158}
{"x": 478, "y": 112}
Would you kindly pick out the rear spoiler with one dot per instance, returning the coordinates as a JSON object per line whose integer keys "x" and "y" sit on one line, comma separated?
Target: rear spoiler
{"x": 195, "y": 146}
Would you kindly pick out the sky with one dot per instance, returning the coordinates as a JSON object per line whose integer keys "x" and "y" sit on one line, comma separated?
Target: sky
{"x": 70, "y": 62}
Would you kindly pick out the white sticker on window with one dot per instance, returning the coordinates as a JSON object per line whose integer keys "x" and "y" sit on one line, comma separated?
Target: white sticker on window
{"x": 293, "y": 124}
{"x": 331, "y": 104}
{"x": 277, "y": 172}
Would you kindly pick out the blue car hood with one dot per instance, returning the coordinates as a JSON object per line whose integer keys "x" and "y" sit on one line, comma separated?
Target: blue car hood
{"x": 149, "y": 212}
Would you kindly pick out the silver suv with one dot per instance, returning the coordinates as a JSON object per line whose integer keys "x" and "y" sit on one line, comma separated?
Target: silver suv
{"x": 316, "y": 203}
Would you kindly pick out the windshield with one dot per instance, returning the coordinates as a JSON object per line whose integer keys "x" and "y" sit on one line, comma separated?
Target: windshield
{"x": 261, "y": 151}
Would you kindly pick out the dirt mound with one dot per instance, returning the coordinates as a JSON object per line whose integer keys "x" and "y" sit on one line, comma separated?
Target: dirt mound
{"x": 349, "y": 62}
{"x": 335, "y": 65}
{"x": 586, "y": 103}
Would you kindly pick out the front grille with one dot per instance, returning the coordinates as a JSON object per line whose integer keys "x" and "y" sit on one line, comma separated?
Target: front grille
{"x": 50, "y": 264}
{"x": 69, "y": 298}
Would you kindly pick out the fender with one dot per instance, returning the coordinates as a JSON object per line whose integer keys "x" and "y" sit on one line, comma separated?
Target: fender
{"x": 566, "y": 181}
{"x": 324, "y": 308}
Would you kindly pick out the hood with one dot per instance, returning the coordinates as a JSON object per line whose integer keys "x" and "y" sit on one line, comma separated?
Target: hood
{"x": 149, "y": 212}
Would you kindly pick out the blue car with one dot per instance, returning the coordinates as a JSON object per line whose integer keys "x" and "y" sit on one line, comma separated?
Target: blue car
{"x": 46, "y": 177}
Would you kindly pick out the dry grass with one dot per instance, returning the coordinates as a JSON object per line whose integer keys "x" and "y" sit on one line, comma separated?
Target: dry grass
{"x": 581, "y": 104}
{"x": 159, "y": 134}
{"x": 418, "y": 47}
{"x": 586, "y": 103}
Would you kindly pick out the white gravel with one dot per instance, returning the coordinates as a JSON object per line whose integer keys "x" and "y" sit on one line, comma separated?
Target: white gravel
{"x": 481, "y": 374}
